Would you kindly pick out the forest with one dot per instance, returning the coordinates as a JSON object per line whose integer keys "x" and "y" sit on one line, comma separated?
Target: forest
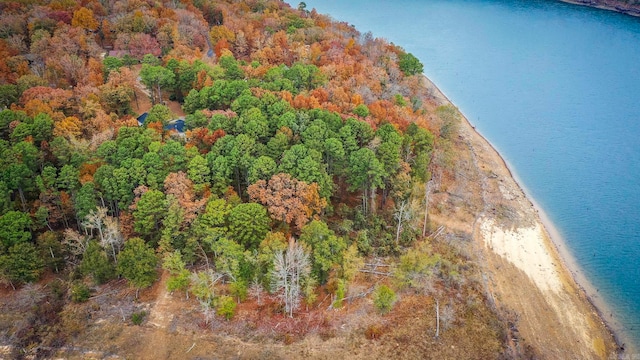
{"x": 307, "y": 154}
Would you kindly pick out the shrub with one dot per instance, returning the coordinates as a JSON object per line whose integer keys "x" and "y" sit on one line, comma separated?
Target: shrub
{"x": 399, "y": 100}
{"x": 150, "y": 59}
{"x": 58, "y": 289}
{"x": 345, "y": 226}
{"x": 239, "y": 290}
{"x": 374, "y": 332}
{"x": 364, "y": 244}
{"x": 361, "y": 110}
{"x": 340, "y": 291}
{"x": 383, "y": 299}
{"x": 343, "y": 211}
{"x": 80, "y": 292}
{"x": 416, "y": 267}
{"x": 226, "y": 307}
{"x": 309, "y": 290}
{"x": 96, "y": 264}
{"x": 408, "y": 236}
{"x": 138, "y": 317}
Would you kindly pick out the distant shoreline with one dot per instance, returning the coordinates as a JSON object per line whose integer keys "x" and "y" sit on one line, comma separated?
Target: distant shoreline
{"x": 555, "y": 240}
{"x": 632, "y": 11}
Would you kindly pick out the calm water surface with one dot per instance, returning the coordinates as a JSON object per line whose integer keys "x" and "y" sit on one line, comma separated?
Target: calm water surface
{"x": 555, "y": 87}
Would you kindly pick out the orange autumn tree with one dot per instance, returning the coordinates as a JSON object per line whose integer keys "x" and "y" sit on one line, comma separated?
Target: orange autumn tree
{"x": 288, "y": 199}
{"x": 180, "y": 187}
{"x": 69, "y": 127}
{"x": 56, "y": 99}
{"x": 203, "y": 138}
{"x": 84, "y": 18}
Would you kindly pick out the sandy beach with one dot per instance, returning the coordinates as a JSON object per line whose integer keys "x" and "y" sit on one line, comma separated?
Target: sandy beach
{"x": 530, "y": 282}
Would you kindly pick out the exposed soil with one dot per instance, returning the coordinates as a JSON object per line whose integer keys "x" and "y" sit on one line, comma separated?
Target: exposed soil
{"x": 523, "y": 272}
{"x": 175, "y": 328}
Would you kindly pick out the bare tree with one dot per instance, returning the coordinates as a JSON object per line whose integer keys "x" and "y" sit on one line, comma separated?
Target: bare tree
{"x": 112, "y": 236}
{"x": 433, "y": 183}
{"x": 256, "y": 291}
{"x": 108, "y": 229}
{"x": 446, "y": 317}
{"x": 95, "y": 220}
{"x": 30, "y": 295}
{"x": 203, "y": 287}
{"x": 289, "y": 270}
{"x": 75, "y": 242}
{"x": 402, "y": 214}
{"x": 437, "y": 318}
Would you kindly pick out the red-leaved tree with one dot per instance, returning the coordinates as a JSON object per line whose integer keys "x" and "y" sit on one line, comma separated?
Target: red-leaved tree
{"x": 288, "y": 199}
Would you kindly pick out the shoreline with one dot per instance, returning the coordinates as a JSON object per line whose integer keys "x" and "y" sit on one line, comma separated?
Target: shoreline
{"x": 570, "y": 264}
{"x": 552, "y": 239}
{"x": 627, "y": 11}
{"x": 573, "y": 268}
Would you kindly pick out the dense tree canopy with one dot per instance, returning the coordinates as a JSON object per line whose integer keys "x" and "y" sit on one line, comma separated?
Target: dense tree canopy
{"x": 293, "y": 129}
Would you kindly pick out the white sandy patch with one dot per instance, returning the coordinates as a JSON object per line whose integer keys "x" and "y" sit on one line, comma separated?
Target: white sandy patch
{"x": 506, "y": 192}
{"x": 525, "y": 248}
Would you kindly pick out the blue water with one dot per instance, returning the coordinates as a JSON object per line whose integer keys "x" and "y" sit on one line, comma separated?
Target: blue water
{"x": 555, "y": 87}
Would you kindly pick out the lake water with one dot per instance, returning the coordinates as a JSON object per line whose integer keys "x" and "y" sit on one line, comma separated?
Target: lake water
{"x": 556, "y": 89}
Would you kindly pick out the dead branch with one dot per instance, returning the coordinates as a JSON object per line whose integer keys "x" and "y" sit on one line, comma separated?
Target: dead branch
{"x": 438, "y": 232}
{"x": 323, "y": 300}
{"x": 101, "y": 295}
{"x": 360, "y": 295}
{"x": 375, "y": 272}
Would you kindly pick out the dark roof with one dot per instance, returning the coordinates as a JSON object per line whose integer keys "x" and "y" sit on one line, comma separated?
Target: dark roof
{"x": 142, "y": 118}
{"x": 177, "y": 125}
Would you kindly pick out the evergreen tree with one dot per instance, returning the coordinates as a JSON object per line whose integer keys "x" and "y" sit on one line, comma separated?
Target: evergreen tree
{"x": 21, "y": 264}
{"x": 248, "y": 224}
{"x": 326, "y": 248}
{"x": 137, "y": 262}
{"x": 150, "y": 210}
{"x": 95, "y": 263}
{"x": 14, "y": 229}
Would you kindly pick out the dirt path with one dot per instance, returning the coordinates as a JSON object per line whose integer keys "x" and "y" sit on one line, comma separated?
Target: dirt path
{"x": 158, "y": 325}
{"x": 159, "y": 314}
